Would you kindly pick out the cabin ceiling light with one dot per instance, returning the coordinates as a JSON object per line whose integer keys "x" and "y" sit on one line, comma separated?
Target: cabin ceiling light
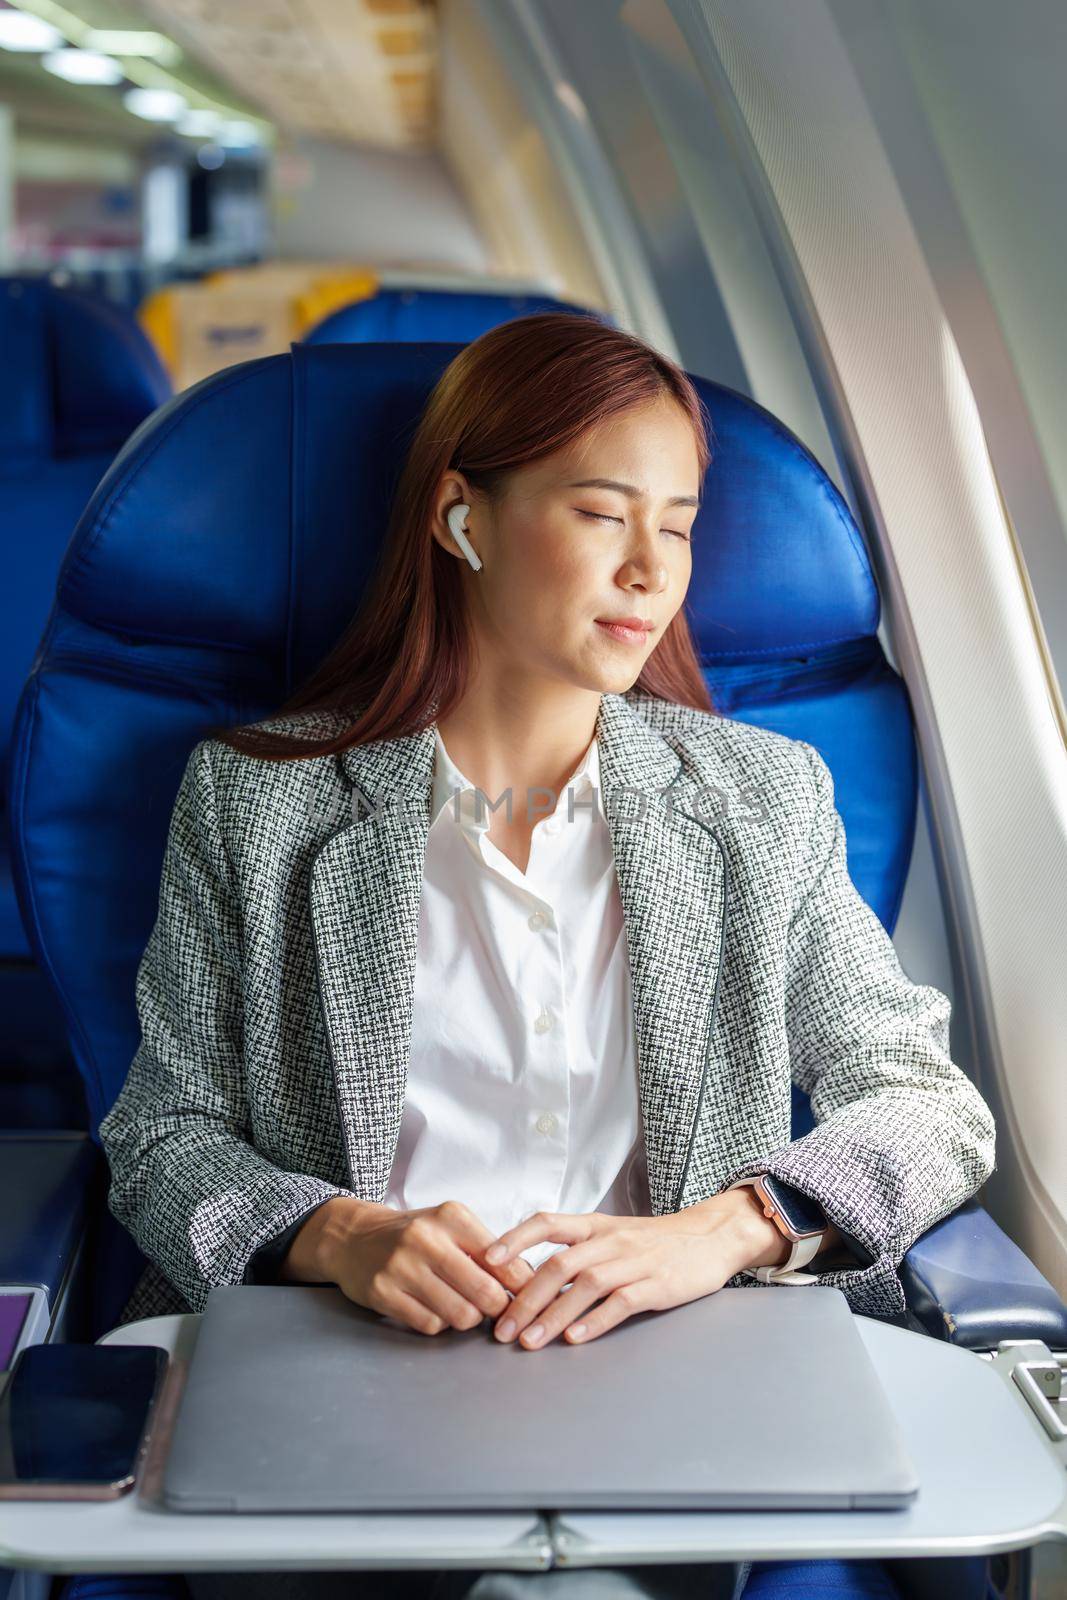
{"x": 134, "y": 42}
{"x": 20, "y": 31}
{"x": 237, "y": 135}
{"x": 83, "y": 66}
{"x": 155, "y": 105}
{"x": 199, "y": 124}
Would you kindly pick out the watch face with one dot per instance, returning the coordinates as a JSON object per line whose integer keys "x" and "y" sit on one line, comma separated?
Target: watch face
{"x": 803, "y": 1214}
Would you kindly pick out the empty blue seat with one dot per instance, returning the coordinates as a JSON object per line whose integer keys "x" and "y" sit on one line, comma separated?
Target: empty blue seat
{"x": 79, "y": 375}
{"x": 412, "y": 314}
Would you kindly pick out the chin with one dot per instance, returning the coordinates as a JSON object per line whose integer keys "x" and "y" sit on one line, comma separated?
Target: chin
{"x": 618, "y": 682}
{"x": 607, "y": 677}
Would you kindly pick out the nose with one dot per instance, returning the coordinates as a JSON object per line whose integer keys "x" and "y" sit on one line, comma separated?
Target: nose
{"x": 650, "y": 576}
{"x": 645, "y": 568}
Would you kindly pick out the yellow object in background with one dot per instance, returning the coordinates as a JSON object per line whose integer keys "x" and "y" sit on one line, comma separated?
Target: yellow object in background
{"x": 157, "y": 318}
{"x": 330, "y": 293}
{"x": 240, "y": 313}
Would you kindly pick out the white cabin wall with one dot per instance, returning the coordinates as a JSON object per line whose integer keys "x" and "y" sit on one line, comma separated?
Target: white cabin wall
{"x": 979, "y": 161}
{"x": 372, "y": 207}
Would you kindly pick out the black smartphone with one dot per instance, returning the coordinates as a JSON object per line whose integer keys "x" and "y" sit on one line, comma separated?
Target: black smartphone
{"x": 75, "y": 1420}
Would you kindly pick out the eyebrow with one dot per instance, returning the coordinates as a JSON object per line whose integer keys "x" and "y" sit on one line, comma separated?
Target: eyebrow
{"x": 628, "y": 488}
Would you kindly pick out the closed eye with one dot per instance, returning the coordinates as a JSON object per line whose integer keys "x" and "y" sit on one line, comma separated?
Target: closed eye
{"x": 599, "y": 516}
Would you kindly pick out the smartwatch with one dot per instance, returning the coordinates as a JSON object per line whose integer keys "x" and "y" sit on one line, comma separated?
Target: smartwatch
{"x": 798, "y": 1218}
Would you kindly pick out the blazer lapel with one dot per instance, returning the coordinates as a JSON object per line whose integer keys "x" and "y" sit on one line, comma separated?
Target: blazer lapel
{"x": 365, "y": 885}
{"x": 672, "y": 884}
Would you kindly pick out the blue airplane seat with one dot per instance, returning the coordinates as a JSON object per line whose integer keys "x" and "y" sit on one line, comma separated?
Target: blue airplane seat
{"x": 79, "y": 375}
{"x": 265, "y": 504}
{"x": 928, "y": 1578}
{"x": 406, "y": 315}
{"x": 130, "y": 1585}
{"x": 787, "y": 633}
{"x": 768, "y": 1580}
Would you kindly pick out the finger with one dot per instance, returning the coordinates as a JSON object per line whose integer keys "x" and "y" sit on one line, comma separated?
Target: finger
{"x": 410, "y": 1311}
{"x": 547, "y": 1285}
{"x": 455, "y": 1268}
{"x": 571, "y": 1307}
{"x": 430, "y": 1265}
{"x": 471, "y": 1232}
{"x": 543, "y": 1227}
{"x": 519, "y": 1273}
{"x": 419, "y": 1274}
{"x": 513, "y": 1274}
{"x": 622, "y": 1303}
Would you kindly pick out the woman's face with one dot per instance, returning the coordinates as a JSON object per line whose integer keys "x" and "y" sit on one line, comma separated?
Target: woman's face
{"x": 559, "y": 552}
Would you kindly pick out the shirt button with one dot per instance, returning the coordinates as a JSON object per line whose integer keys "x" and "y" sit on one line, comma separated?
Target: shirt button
{"x": 546, "y": 1123}
{"x": 552, "y": 825}
{"x": 537, "y": 920}
{"x": 543, "y": 1023}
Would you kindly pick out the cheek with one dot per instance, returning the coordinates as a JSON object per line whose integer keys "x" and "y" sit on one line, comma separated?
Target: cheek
{"x": 681, "y": 573}
{"x": 542, "y": 585}
{"x": 558, "y": 565}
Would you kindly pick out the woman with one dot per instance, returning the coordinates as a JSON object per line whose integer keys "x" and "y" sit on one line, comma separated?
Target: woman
{"x": 390, "y": 1018}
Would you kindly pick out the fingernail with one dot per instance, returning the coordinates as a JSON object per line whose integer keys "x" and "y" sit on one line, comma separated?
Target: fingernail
{"x": 578, "y": 1331}
{"x": 534, "y": 1335}
{"x": 505, "y": 1330}
{"x": 496, "y": 1252}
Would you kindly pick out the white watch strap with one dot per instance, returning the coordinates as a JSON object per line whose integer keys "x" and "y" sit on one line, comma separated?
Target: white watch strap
{"x": 803, "y": 1251}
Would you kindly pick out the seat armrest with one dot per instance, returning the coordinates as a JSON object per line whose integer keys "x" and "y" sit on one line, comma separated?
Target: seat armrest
{"x": 49, "y": 1186}
{"x": 967, "y": 1283}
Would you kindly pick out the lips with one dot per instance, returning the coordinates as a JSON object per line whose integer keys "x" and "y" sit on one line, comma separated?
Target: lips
{"x": 633, "y": 633}
{"x": 628, "y": 622}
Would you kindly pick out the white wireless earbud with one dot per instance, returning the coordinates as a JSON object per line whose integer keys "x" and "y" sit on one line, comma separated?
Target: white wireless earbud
{"x": 455, "y": 518}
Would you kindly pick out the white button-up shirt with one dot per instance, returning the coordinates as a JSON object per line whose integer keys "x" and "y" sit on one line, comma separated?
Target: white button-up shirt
{"x": 522, "y": 1090}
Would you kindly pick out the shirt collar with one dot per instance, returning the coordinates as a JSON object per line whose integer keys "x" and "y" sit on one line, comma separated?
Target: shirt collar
{"x": 447, "y": 778}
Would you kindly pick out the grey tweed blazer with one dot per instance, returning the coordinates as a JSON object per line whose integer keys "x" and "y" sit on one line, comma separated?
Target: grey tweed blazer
{"x": 275, "y": 999}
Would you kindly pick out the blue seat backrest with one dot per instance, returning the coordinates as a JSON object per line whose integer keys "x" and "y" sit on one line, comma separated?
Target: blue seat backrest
{"x": 413, "y": 315}
{"x": 78, "y": 376}
{"x": 225, "y": 552}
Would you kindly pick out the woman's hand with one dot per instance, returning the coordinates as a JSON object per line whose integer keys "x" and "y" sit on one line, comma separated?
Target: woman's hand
{"x": 630, "y": 1264}
{"x": 423, "y": 1268}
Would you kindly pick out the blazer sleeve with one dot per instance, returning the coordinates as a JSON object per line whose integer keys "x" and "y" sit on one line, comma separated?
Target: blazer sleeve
{"x": 902, "y": 1136}
{"x": 196, "y": 1196}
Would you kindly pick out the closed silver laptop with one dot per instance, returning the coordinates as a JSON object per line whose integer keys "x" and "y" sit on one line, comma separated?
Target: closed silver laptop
{"x": 299, "y": 1400}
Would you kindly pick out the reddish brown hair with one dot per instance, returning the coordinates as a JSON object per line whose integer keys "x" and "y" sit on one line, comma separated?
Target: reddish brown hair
{"x": 521, "y": 391}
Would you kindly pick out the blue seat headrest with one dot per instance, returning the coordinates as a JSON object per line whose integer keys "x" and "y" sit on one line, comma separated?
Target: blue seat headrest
{"x": 412, "y": 314}
{"x": 79, "y": 373}
{"x": 779, "y": 566}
